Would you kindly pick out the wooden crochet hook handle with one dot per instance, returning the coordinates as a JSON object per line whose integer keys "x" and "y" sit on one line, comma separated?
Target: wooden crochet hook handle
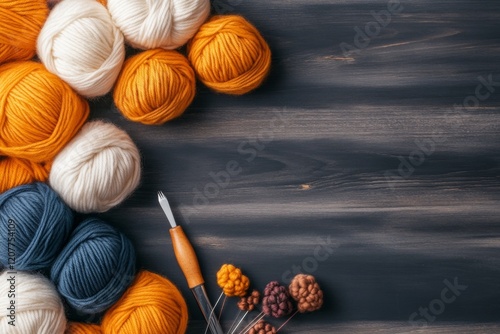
{"x": 186, "y": 257}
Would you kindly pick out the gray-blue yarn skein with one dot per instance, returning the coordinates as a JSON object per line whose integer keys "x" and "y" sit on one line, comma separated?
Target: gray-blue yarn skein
{"x": 34, "y": 226}
{"x": 95, "y": 268}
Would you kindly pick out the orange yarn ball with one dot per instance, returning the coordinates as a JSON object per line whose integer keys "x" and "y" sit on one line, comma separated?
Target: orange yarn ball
{"x": 81, "y": 328}
{"x": 155, "y": 86}
{"x": 229, "y": 55}
{"x": 20, "y": 24}
{"x": 39, "y": 113}
{"x": 151, "y": 305}
{"x": 16, "y": 172}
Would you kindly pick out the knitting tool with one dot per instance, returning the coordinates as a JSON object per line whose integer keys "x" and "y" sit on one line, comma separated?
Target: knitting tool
{"x": 186, "y": 257}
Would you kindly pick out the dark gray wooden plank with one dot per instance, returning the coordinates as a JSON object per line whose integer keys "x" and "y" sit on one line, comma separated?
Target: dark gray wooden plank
{"x": 336, "y": 166}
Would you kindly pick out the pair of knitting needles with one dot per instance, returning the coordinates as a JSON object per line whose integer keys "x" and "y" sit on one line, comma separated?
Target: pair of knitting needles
{"x": 186, "y": 257}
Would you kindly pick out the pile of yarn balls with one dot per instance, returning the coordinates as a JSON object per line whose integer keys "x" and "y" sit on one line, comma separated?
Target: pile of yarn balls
{"x": 55, "y": 56}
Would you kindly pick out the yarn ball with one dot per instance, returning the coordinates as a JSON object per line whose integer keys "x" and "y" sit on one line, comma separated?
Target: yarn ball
{"x": 97, "y": 169}
{"x": 80, "y": 44}
{"x": 38, "y": 307}
{"x": 155, "y": 86}
{"x": 81, "y": 328}
{"x": 276, "y": 300}
{"x": 20, "y": 24}
{"x": 166, "y": 24}
{"x": 95, "y": 267}
{"x": 229, "y": 55}
{"x": 232, "y": 281}
{"x": 35, "y": 224}
{"x": 306, "y": 291}
{"x": 151, "y": 305}
{"x": 262, "y": 327}
{"x": 39, "y": 113}
{"x": 16, "y": 172}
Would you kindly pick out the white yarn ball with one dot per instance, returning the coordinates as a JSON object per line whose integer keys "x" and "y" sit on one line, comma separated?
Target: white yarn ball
{"x": 97, "y": 169}
{"x": 166, "y": 24}
{"x": 38, "y": 307}
{"x": 80, "y": 43}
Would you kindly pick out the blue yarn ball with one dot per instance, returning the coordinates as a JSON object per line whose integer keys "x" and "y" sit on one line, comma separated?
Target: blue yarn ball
{"x": 34, "y": 226}
{"x": 95, "y": 268}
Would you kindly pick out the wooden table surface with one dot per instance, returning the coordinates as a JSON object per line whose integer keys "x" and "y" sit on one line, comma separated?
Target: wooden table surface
{"x": 369, "y": 158}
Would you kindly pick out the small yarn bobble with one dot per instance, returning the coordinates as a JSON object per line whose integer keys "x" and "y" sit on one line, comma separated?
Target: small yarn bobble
{"x": 262, "y": 327}
{"x": 81, "y": 328}
{"x": 229, "y": 55}
{"x": 306, "y": 291}
{"x": 38, "y": 307}
{"x": 232, "y": 281}
{"x": 20, "y": 24}
{"x": 95, "y": 267}
{"x": 80, "y": 44}
{"x": 98, "y": 169}
{"x": 248, "y": 303}
{"x": 39, "y": 113}
{"x": 155, "y": 86}
{"x": 37, "y": 222}
{"x": 16, "y": 172}
{"x": 166, "y": 24}
{"x": 151, "y": 305}
{"x": 276, "y": 301}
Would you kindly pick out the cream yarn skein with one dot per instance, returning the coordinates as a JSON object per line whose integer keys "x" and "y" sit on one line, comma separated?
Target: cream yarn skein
{"x": 166, "y": 24}
{"x": 38, "y": 307}
{"x": 80, "y": 44}
{"x": 97, "y": 169}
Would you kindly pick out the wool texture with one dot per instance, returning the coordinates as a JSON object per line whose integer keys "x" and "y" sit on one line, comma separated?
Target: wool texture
{"x": 229, "y": 55}
{"x": 39, "y": 113}
{"x": 262, "y": 327}
{"x": 166, "y": 24}
{"x": 276, "y": 301}
{"x": 39, "y": 223}
{"x": 95, "y": 267}
{"x": 98, "y": 169}
{"x": 306, "y": 292}
{"x": 81, "y": 328}
{"x": 80, "y": 44}
{"x": 16, "y": 172}
{"x": 38, "y": 307}
{"x": 155, "y": 86}
{"x": 20, "y": 24}
{"x": 151, "y": 305}
{"x": 232, "y": 281}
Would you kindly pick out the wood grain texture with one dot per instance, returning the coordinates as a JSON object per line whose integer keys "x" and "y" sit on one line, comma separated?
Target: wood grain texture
{"x": 364, "y": 152}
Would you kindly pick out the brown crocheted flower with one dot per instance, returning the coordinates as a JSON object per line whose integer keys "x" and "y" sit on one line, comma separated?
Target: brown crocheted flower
{"x": 248, "y": 303}
{"x": 306, "y": 291}
{"x": 262, "y": 327}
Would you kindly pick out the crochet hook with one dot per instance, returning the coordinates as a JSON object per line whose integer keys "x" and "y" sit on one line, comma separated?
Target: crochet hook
{"x": 186, "y": 257}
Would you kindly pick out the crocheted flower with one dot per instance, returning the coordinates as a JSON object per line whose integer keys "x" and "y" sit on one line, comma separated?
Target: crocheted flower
{"x": 262, "y": 327}
{"x": 306, "y": 291}
{"x": 248, "y": 303}
{"x": 276, "y": 301}
{"x": 232, "y": 281}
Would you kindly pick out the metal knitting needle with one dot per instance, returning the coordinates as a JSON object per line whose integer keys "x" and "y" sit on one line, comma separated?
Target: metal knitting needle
{"x": 186, "y": 257}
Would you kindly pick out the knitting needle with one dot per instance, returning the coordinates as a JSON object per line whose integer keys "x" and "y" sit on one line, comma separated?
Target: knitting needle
{"x": 186, "y": 257}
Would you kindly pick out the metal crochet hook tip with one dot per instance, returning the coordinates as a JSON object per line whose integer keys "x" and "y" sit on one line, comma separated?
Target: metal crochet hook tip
{"x": 186, "y": 257}
{"x": 166, "y": 208}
